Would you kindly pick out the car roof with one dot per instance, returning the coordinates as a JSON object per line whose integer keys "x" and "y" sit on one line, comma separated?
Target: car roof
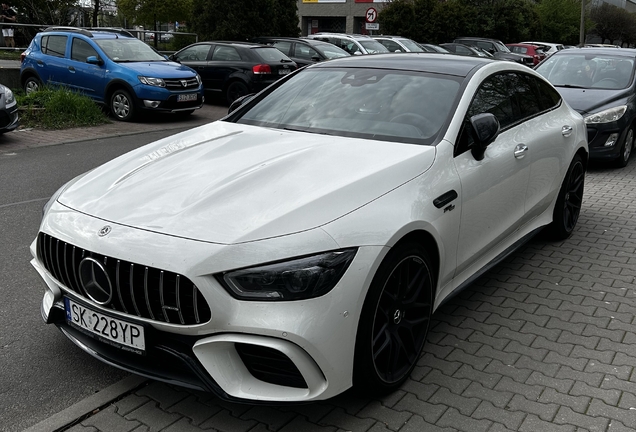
{"x": 98, "y": 33}
{"x": 419, "y": 62}
{"x": 293, "y": 39}
{"x": 345, "y": 35}
{"x": 627, "y": 52}
{"x": 235, "y": 43}
{"x": 477, "y": 38}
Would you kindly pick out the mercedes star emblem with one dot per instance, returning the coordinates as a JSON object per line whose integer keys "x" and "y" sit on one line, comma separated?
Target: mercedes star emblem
{"x": 104, "y": 231}
{"x": 95, "y": 281}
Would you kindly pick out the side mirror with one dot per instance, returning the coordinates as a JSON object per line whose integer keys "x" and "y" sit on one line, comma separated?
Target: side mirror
{"x": 315, "y": 59}
{"x": 94, "y": 60}
{"x": 485, "y": 128}
{"x": 357, "y": 53}
{"x": 240, "y": 102}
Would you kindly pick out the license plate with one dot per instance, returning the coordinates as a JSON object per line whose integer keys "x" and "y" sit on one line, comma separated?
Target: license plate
{"x": 283, "y": 71}
{"x": 186, "y": 97}
{"x": 116, "y": 332}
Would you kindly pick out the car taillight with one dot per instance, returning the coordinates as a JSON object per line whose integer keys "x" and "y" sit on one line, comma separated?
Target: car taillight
{"x": 261, "y": 69}
{"x": 22, "y": 56}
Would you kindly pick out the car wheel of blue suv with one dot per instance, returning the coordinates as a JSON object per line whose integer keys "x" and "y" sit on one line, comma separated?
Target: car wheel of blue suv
{"x": 31, "y": 84}
{"x": 122, "y": 105}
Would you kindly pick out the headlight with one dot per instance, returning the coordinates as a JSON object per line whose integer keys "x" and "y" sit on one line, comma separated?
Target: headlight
{"x": 9, "y": 97}
{"x": 157, "y": 82}
{"x": 607, "y": 116}
{"x": 297, "y": 279}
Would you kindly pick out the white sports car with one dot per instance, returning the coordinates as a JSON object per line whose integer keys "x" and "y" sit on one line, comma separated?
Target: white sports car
{"x": 299, "y": 246}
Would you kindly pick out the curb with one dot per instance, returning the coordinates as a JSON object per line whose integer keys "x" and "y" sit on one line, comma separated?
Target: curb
{"x": 88, "y": 406}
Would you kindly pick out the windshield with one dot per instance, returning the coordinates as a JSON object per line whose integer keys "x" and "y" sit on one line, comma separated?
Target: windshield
{"x": 380, "y": 104}
{"x": 411, "y": 46}
{"x": 588, "y": 70}
{"x": 128, "y": 50}
{"x": 501, "y": 47}
{"x": 373, "y": 46}
{"x": 331, "y": 51}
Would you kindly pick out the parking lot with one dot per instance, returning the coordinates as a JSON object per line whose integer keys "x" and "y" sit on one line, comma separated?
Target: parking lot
{"x": 543, "y": 342}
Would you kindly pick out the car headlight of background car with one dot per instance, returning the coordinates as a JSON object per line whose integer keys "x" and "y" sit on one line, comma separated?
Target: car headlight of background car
{"x": 156, "y": 82}
{"x": 9, "y": 97}
{"x": 298, "y": 279}
{"x": 606, "y": 116}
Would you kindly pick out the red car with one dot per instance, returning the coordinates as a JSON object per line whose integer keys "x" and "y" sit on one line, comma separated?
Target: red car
{"x": 535, "y": 51}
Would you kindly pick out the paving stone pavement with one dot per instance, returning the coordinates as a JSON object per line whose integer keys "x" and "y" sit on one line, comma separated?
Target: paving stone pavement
{"x": 546, "y": 341}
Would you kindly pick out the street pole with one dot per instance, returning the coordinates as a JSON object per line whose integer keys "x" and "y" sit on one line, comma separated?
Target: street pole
{"x": 582, "y": 29}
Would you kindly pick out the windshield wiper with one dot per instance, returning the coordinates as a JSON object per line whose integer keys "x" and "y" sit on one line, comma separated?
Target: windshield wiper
{"x": 569, "y": 86}
{"x": 304, "y": 130}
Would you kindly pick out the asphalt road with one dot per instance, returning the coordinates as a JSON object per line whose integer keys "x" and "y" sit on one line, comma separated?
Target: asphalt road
{"x": 41, "y": 372}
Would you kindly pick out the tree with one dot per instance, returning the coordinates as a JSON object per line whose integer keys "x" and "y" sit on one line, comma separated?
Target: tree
{"x": 150, "y": 12}
{"x": 244, "y": 19}
{"x": 55, "y": 12}
{"x": 398, "y": 18}
{"x": 606, "y": 19}
{"x": 560, "y": 20}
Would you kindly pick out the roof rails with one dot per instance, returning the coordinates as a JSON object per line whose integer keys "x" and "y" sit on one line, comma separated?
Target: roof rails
{"x": 87, "y": 31}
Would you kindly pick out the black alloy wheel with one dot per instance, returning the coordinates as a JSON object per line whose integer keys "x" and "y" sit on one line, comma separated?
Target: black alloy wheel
{"x": 235, "y": 90}
{"x": 569, "y": 200}
{"x": 626, "y": 148}
{"x": 395, "y": 319}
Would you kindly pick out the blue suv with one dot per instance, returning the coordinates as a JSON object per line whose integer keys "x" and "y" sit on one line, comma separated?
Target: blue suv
{"x": 112, "y": 67}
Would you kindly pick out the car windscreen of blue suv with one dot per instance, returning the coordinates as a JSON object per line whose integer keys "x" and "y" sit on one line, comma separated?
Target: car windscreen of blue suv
{"x": 113, "y": 68}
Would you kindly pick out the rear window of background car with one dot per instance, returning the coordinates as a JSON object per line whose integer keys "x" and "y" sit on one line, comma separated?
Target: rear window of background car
{"x": 270, "y": 54}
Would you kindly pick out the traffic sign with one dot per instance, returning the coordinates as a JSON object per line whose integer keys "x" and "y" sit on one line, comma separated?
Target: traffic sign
{"x": 371, "y": 15}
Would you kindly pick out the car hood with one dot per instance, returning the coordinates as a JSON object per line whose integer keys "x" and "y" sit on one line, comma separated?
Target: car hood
{"x": 590, "y": 100}
{"x": 165, "y": 69}
{"x": 229, "y": 183}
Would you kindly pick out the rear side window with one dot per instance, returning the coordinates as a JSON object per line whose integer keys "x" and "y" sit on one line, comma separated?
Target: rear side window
{"x": 270, "y": 54}
{"x": 526, "y": 95}
{"x": 548, "y": 97}
{"x": 54, "y": 45}
{"x": 305, "y": 52}
{"x": 223, "y": 53}
{"x": 282, "y": 46}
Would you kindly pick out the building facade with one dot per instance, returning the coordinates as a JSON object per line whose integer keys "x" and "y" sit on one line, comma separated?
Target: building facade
{"x": 339, "y": 16}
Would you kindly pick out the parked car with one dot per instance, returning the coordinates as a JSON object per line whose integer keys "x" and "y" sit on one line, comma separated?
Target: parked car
{"x": 534, "y": 51}
{"x": 304, "y": 51}
{"x": 497, "y": 49}
{"x": 550, "y": 48}
{"x": 9, "y": 119}
{"x": 599, "y": 83}
{"x": 399, "y": 44}
{"x": 300, "y": 245}
{"x": 465, "y": 50}
{"x": 433, "y": 48}
{"x": 234, "y": 69}
{"x": 353, "y": 44}
{"x": 113, "y": 68}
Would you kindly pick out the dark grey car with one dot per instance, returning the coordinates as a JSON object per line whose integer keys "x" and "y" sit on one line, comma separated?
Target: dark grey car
{"x": 497, "y": 48}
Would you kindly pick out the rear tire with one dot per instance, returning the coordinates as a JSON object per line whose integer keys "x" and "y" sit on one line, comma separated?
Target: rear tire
{"x": 569, "y": 201}
{"x": 626, "y": 148}
{"x": 122, "y": 105}
{"x": 395, "y": 319}
{"x": 235, "y": 90}
{"x": 32, "y": 84}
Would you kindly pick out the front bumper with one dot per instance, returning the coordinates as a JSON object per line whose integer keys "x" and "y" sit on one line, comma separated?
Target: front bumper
{"x": 597, "y": 136}
{"x": 9, "y": 119}
{"x": 315, "y": 337}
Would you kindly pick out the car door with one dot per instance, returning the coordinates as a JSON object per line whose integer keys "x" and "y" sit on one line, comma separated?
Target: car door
{"x": 196, "y": 57}
{"x": 493, "y": 188}
{"x": 224, "y": 61}
{"x": 83, "y": 76}
{"x": 52, "y": 67}
{"x": 304, "y": 55}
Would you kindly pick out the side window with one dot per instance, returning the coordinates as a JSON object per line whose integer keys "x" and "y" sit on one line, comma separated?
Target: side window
{"x": 488, "y": 46}
{"x": 493, "y": 97}
{"x": 525, "y": 94}
{"x": 54, "y": 45}
{"x": 194, "y": 53}
{"x": 81, "y": 50}
{"x": 305, "y": 52}
{"x": 463, "y": 51}
{"x": 223, "y": 53}
{"x": 282, "y": 46}
{"x": 391, "y": 46}
{"x": 548, "y": 97}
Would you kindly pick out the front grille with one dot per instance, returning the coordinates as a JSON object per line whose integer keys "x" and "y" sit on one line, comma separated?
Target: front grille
{"x": 146, "y": 292}
{"x": 177, "y": 84}
{"x": 270, "y": 365}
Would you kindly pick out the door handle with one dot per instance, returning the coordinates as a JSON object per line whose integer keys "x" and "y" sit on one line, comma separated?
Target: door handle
{"x": 566, "y": 131}
{"x": 40, "y": 63}
{"x": 71, "y": 68}
{"x": 521, "y": 150}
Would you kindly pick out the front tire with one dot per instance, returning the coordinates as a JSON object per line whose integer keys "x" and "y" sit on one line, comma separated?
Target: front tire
{"x": 626, "y": 148}
{"x": 122, "y": 105}
{"x": 395, "y": 319}
{"x": 569, "y": 201}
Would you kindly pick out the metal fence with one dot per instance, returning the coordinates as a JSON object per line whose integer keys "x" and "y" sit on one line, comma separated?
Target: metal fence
{"x": 24, "y": 33}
